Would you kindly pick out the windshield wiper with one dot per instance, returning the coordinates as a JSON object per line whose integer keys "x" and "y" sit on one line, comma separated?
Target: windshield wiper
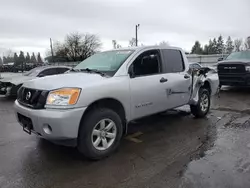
{"x": 89, "y": 71}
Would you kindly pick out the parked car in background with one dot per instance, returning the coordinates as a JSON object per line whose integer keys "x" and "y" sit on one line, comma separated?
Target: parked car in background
{"x": 197, "y": 66}
{"x": 10, "y": 85}
{"x": 90, "y": 107}
{"x": 234, "y": 70}
{"x": 194, "y": 66}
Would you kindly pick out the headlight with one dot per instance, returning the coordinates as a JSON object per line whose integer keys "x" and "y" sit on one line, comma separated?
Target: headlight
{"x": 248, "y": 68}
{"x": 63, "y": 97}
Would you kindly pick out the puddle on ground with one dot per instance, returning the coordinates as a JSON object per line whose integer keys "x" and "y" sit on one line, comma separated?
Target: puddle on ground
{"x": 226, "y": 156}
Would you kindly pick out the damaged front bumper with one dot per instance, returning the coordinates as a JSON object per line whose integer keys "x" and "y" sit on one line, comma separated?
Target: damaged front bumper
{"x": 7, "y": 89}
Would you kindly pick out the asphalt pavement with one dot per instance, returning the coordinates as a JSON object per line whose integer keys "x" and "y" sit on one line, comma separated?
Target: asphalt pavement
{"x": 166, "y": 150}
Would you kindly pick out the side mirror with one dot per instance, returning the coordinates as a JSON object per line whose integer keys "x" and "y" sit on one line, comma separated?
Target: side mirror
{"x": 220, "y": 58}
{"x": 131, "y": 71}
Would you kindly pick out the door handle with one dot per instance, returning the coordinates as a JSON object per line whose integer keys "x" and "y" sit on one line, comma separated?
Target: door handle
{"x": 162, "y": 80}
{"x": 186, "y": 76}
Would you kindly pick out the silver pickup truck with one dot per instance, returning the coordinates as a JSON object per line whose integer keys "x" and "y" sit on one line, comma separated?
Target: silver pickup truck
{"x": 90, "y": 106}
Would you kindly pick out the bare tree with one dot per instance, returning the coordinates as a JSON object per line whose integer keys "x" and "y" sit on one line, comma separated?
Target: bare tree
{"x": 9, "y": 53}
{"x": 237, "y": 45}
{"x": 132, "y": 42}
{"x": 115, "y": 44}
{"x": 77, "y": 47}
{"x": 247, "y": 43}
{"x": 163, "y": 43}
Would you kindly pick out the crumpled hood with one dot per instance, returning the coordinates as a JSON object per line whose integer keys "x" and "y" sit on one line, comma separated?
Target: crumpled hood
{"x": 79, "y": 80}
{"x": 17, "y": 79}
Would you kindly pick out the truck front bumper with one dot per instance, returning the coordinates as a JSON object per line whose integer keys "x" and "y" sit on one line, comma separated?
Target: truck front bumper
{"x": 52, "y": 124}
{"x": 235, "y": 79}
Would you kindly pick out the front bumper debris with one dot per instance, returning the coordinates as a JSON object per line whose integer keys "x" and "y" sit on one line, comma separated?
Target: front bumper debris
{"x": 6, "y": 88}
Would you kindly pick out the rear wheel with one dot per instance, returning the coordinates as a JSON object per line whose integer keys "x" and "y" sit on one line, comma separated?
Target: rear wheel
{"x": 202, "y": 107}
{"x": 100, "y": 133}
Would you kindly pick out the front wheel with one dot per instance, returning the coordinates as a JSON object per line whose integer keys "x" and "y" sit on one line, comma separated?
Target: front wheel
{"x": 100, "y": 133}
{"x": 202, "y": 107}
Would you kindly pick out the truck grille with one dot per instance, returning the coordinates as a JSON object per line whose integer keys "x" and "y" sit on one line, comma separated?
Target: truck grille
{"x": 32, "y": 98}
{"x": 231, "y": 68}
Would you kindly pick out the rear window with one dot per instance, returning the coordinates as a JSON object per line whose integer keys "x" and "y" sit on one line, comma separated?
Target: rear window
{"x": 174, "y": 60}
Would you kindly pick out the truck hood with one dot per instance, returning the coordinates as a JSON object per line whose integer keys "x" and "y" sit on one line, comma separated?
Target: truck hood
{"x": 79, "y": 80}
{"x": 240, "y": 61}
{"x": 16, "y": 80}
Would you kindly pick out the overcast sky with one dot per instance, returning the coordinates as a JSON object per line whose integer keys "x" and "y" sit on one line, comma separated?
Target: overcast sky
{"x": 28, "y": 24}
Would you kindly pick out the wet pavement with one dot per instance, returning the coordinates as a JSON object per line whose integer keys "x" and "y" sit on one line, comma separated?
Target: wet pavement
{"x": 167, "y": 150}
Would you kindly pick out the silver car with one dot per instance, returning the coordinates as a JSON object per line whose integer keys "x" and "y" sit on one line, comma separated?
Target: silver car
{"x": 10, "y": 85}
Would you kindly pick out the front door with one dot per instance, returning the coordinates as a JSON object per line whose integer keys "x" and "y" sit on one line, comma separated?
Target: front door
{"x": 147, "y": 85}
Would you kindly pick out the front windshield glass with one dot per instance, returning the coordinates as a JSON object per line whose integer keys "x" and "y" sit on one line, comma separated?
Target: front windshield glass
{"x": 108, "y": 62}
{"x": 239, "y": 55}
{"x": 33, "y": 72}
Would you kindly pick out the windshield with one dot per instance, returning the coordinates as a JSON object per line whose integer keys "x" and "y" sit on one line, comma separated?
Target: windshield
{"x": 239, "y": 55}
{"x": 33, "y": 72}
{"x": 108, "y": 62}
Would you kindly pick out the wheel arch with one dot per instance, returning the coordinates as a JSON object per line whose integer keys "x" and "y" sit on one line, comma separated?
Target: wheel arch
{"x": 207, "y": 85}
{"x": 110, "y": 103}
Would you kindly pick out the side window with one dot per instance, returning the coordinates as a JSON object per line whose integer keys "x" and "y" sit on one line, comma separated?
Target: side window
{"x": 174, "y": 60}
{"x": 48, "y": 72}
{"x": 61, "y": 70}
{"x": 148, "y": 63}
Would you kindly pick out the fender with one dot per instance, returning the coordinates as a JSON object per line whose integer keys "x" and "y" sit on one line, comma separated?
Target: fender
{"x": 198, "y": 79}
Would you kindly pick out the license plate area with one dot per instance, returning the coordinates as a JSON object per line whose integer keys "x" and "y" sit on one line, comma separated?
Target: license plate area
{"x": 26, "y": 123}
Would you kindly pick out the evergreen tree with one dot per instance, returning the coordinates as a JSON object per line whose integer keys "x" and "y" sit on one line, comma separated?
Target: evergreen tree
{"x": 4, "y": 60}
{"x": 15, "y": 58}
{"x": 33, "y": 58}
{"x": 214, "y": 49}
{"x": 21, "y": 60}
{"x": 210, "y": 47}
{"x": 220, "y": 45}
{"x": 39, "y": 59}
{"x": 21, "y": 57}
{"x": 229, "y": 46}
{"x": 206, "y": 50}
{"x": 9, "y": 59}
{"x": 27, "y": 59}
{"x": 196, "y": 49}
{"x": 1, "y": 61}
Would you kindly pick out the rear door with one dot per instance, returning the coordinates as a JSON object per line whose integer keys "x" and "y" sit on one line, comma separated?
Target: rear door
{"x": 179, "y": 88}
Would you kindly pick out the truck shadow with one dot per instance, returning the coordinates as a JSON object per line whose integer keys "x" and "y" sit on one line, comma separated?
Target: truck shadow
{"x": 141, "y": 131}
{"x": 163, "y": 139}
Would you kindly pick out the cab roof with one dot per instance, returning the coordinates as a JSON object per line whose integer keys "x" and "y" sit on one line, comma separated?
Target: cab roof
{"x": 139, "y": 48}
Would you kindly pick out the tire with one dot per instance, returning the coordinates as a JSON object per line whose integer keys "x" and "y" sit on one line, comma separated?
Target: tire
{"x": 87, "y": 136}
{"x": 199, "y": 110}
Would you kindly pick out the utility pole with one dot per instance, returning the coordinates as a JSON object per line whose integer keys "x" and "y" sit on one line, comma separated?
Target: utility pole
{"x": 136, "y": 33}
{"x": 51, "y": 48}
